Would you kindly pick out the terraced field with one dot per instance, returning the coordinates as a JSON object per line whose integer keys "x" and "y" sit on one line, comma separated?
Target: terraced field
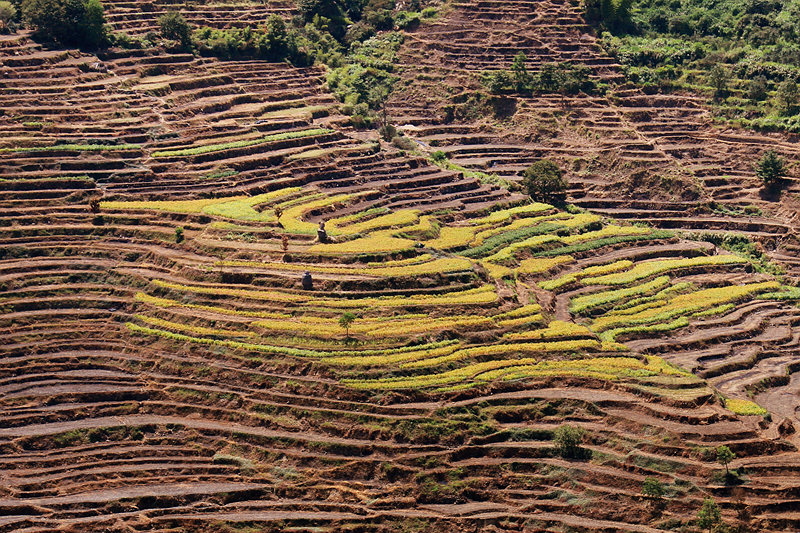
{"x": 649, "y": 157}
{"x": 164, "y": 369}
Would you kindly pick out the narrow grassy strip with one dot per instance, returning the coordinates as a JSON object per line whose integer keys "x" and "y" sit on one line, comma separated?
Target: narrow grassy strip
{"x": 197, "y": 150}
{"x": 520, "y": 223}
{"x": 478, "y": 296}
{"x": 196, "y": 330}
{"x": 437, "y": 266}
{"x": 385, "y": 328}
{"x": 652, "y": 268}
{"x": 610, "y": 230}
{"x": 610, "y": 336}
{"x": 601, "y": 299}
{"x": 494, "y": 350}
{"x": 509, "y": 238}
{"x": 786, "y": 293}
{"x": 506, "y": 214}
{"x": 555, "y": 329}
{"x": 599, "y": 243}
{"x": 599, "y": 367}
{"x": 283, "y": 350}
{"x": 568, "y": 279}
{"x": 404, "y": 217}
{"x": 73, "y": 148}
{"x": 507, "y": 253}
{"x": 167, "y": 303}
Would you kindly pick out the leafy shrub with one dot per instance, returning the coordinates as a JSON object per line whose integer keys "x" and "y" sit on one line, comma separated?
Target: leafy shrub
{"x": 653, "y": 488}
{"x": 568, "y": 441}
{"x": 67, "y": 22}
{"x": 771, "y": 168}
{"x": 7, "y": 14}
{"x": 545, "y": 182}
{"x": 564, "y": 78}
{"x": 175, "y": 28}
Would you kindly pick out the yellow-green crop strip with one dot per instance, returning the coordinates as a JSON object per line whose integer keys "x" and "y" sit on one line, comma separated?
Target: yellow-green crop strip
{"x": 208, "y": 148}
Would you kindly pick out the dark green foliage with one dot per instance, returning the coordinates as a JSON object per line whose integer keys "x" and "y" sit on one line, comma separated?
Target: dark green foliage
{"x": 67, "y": 22}
{"x": 545, "y": 182}
{"x": 747, "y": 51}
{"x": 439, "y": 156}
{"x": 609, "y": 14}
{"x": 771, "y": 168}
{"x": 175, "y": 28}
{"x": 568, "y": 441}
{"x": 179, "y": 234}
{"x": 709, "y": 515}
{"x": 653, "y": 488}
{"x": 725, "y": 456}
{"x": 325, "y": 14}
{"x": 7, "y": 13}
{"x": 718, "y": 78}
{"x": 564, "y": 78}
{"x": 273, "y": 42}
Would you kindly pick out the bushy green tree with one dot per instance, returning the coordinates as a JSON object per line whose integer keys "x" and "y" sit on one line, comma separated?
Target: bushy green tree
{"x": 66, "y": 22}
{"x": 725, "y": 456}
{"x": 771, "y": 168}
{"x": 7, "y": 13}
{"x": 545, "y": 182}
{"x": 522, "y": 78}
{"x": 788, "y": 97}
{"x": 757, "y": 89}
{"x": 718, "y": 78}
{"x": 709, "y": 515}
{"x": 345, "y": 321}
{"x": 653, "y": 488}
{"x": 174, "y": 27}
{"x": 568, "y": 441}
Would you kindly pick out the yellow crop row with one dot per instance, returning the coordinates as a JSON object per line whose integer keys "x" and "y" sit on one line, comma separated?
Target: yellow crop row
{"x": 437, "y": 266}
{"x": 234, "y": 207}
{"x": 378, "y": 242}
{"x": 291, "y": 218}
{"x": 744, "y": 407}
{"x": 166, "y": 303}
{"x": 197, "y": 330}
{"x": 506, "y": 214}
{"x": 404, "y": 217}
{"x": 506, "y": 349}
{"x": 537, "y": 265}
{"x": 481, "y": 295}
{"x": 508, "y": 252}
{"x": 599, "y": 299}
{"x": 567, "y": 279}
{"x": 451, "y": 237}
{"x": 398, "y": 327}
{"x": 555, "y": 329}
{"x": 516, "y": 224}
{"x": 610, "y": 230}
{"x": 577, "y": 221}
{"x": 652, "y": 268}
{"x": 686, "y": 304}
{"x": 599, "y": 367}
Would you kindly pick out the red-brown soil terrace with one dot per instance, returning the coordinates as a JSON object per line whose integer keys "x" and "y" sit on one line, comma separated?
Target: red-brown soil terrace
{"x": 154, "y": 385}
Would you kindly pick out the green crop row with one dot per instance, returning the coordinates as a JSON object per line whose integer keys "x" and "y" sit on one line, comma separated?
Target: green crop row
{"x": 599, "y": 243}
{"x": 503, "y": 239}
{"x": 600, "y": 299}
{"x": 73, "y": 147}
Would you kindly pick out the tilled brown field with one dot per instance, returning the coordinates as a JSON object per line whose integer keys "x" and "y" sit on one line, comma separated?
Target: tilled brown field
{"x": 156, "y": 379}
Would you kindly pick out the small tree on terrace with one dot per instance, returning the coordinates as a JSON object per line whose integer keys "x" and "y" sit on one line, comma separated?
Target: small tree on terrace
{"x": 724, "y": 457}
{"x": 771, "y": 168}
{"x": 522, "y": 78}
{"x": 175, "y": 28}
{"x": 345, "y": 321}
{"x": 788, "y": 96}
{"x": 709, "y": 515}
{"x": 545, "y": 182}
{"x": 568, "y": 441}
{"x": 653, "y": 488}
{"x": 718, "y": 79}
